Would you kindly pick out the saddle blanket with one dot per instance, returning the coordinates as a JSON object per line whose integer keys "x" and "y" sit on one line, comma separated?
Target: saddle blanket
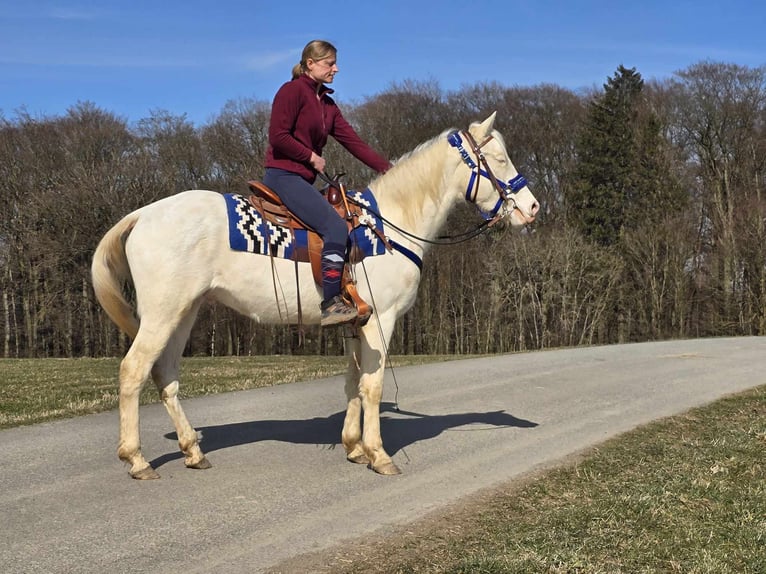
{"x": 249, "y": 231}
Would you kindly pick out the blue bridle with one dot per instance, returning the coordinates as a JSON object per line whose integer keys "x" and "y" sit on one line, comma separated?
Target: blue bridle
{"x": 505, "y": 190}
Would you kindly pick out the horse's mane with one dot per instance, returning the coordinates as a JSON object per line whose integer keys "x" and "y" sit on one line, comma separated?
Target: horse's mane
{"x": 424, "y": 170}
{"x": 415, "y": 176}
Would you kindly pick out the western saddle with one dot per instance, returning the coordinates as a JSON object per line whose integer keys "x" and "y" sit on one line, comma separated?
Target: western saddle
{"x": 268, "y": 204}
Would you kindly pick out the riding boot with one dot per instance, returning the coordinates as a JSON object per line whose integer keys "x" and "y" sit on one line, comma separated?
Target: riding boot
{"x": 335, "y": 310}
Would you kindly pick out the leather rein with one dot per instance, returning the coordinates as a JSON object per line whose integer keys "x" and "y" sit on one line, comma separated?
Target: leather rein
{"x": 505, "y": 191}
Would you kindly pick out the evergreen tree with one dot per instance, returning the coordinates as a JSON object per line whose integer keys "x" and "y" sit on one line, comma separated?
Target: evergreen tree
{"x": 621, "y": 177}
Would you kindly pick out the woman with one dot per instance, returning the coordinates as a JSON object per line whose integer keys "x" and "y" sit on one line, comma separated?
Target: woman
{"x": 302, "y": 116}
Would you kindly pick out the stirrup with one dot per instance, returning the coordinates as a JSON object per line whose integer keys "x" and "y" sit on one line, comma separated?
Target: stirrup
{"x": 363, "y": 309}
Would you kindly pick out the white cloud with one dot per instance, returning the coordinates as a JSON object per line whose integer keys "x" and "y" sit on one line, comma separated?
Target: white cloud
{"x": 268, "y": 60}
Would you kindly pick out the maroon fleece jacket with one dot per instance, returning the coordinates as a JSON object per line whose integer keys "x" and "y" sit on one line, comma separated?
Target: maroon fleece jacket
{"x": 300, "y": 124}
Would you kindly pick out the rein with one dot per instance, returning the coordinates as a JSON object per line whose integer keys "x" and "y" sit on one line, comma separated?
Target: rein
{"x": 442, "y": 239}
{"x": 505, "y": 191}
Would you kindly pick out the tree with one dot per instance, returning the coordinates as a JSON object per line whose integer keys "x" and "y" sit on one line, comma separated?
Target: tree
{"x": 236, "y": 141}
{"x": 606, "y": 174}
{"x": 720, "y": 114}
{"x": 653, "y": 221}
{"x": 624, "y": 184}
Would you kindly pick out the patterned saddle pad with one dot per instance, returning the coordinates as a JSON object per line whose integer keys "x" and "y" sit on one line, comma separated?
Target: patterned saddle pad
{"x": 249, "y": 231}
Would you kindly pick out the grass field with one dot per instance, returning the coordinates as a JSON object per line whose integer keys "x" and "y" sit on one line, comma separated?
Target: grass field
{"x": 685, "y": 494}
{"x": 38, "y": 390}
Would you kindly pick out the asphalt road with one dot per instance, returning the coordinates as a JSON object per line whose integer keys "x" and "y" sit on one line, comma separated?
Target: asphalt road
{"x": 280, "y": 485}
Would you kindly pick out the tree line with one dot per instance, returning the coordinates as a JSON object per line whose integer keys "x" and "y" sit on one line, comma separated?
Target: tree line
{"x": 652, "y": 221}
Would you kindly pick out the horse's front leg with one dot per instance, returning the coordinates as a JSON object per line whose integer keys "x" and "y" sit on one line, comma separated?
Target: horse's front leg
{"x": 352, "y": 424}
{"x": 371, "y": 387}
{"x": 372, "y": 366}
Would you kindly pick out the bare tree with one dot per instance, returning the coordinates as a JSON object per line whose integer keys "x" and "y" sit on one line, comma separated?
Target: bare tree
{"x": 719, "y": 118}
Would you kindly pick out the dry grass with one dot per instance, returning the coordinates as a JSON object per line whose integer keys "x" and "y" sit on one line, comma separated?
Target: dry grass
{"x": 38, "y": 390}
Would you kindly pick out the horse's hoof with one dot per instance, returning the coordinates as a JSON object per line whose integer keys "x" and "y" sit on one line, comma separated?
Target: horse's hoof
{"x": 203, "y": 464}
{"x": 147, "y": 473}
{"x": 358, "y": 459}
{"x": 388, "y": 469}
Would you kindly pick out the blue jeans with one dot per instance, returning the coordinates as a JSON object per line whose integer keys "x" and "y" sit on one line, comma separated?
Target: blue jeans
{"x": 311, "y": 207}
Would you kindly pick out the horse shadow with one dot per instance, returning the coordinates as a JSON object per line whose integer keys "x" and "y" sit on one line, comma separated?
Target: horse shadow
{"x": 398, "y": 432}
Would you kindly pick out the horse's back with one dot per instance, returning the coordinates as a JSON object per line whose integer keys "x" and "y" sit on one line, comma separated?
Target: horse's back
{"x": 186, "y": 214}
{"x": 180, "y": 237}
{"x": 189, "y": 202}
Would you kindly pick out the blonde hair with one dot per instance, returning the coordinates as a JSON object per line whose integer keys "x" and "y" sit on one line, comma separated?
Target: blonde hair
{"x": 315, "y": 50}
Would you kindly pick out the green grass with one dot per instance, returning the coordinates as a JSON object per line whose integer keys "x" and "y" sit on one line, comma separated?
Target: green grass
{"x": 38, "y": 390}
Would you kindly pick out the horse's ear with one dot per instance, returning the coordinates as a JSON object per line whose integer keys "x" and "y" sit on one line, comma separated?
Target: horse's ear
{"x": 485, "y": 128}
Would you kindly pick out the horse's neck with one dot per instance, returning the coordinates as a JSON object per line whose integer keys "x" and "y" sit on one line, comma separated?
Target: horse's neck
{"x": 415, "y": 194}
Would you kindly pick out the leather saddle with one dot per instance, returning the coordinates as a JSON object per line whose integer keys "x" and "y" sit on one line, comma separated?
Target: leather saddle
{"x": 268, "y": 204}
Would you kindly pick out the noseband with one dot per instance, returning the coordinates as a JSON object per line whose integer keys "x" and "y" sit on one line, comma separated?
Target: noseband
{"x": 505, "y": 190}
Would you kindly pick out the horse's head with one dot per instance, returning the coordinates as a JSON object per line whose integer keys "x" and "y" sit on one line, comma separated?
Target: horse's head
{"x": 493, "y": 184}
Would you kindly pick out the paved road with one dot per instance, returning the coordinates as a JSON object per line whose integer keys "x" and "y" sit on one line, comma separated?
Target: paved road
{"x": 280, "y": 485}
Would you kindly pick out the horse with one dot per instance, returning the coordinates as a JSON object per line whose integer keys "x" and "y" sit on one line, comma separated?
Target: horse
{"x": 175, "y": 252}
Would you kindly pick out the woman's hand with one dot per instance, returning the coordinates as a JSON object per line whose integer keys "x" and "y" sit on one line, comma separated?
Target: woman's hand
{"x": 317, "y": 162}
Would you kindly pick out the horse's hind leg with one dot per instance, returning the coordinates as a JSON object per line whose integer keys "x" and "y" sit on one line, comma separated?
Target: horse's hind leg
{"x": 166, "y": 374}
{"x": 134, "y": 371}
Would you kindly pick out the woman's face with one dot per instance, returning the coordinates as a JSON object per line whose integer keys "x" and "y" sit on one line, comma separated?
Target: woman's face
{"x": 323, "y": 70}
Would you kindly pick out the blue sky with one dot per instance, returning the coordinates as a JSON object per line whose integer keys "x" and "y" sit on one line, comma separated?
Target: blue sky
{"x": 132, "y": 57}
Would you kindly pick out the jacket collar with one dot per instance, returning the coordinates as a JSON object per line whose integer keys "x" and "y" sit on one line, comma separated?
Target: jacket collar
{"x": 322, "y": 89}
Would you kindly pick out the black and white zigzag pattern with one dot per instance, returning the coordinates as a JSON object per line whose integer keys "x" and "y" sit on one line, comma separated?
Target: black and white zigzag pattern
{"x": 257, "y": 232}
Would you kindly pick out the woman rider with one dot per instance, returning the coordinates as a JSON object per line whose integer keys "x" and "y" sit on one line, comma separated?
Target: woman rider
{"x": 302, "y": 116}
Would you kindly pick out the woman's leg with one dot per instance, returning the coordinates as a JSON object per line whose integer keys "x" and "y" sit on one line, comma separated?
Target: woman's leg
{"x": 308, "y": 204}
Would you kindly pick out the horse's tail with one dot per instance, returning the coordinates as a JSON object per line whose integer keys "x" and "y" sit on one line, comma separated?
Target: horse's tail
{"x": 110, "y": 271}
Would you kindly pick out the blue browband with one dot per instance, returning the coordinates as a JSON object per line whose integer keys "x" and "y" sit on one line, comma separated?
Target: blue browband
{"x": 508, "y": 188}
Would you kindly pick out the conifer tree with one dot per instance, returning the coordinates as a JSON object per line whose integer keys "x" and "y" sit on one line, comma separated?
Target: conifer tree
{"x": 621, "y": 179}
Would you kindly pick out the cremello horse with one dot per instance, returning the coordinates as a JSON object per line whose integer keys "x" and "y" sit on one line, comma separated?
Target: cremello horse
{"x": 176, "y": 253}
